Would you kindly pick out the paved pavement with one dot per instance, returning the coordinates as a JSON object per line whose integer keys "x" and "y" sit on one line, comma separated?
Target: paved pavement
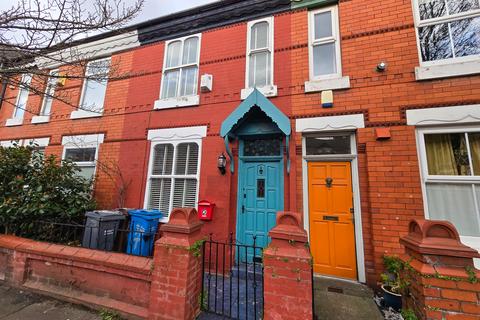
{"x": 21, "y": 305}
{"x": 344, "y": 300}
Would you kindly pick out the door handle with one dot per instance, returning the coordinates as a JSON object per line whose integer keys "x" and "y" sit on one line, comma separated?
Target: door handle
{"x": 243, "y": 208}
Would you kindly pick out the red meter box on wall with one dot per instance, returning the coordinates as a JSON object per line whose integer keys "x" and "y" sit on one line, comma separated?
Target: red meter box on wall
{"x": 205, "y": 210}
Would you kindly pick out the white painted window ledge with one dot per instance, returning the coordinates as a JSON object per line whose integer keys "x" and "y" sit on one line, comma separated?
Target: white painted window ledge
{"x": 178, "y": 102}
{"x": 40, "y": 119}
{"x": 447, "y": 70}
{"x": 327, "y": 84}
{"x": 81, "y": 114}
{"x": 14, "y": 122}
{"x": 267, "y": 91}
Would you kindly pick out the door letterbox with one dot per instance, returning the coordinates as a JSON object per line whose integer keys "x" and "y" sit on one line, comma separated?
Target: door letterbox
{"x": 205, "y": 210}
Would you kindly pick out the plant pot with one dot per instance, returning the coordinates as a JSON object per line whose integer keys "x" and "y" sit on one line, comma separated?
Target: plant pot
{"x": 392, "y": 299}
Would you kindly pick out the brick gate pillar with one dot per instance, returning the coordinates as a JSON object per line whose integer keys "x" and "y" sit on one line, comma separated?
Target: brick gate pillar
{"x": 288, "y": 271}
{"x": 177, "y": 268}
{"x": 443, "y": 283}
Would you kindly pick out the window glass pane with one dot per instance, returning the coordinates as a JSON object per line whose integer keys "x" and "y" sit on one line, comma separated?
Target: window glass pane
{"x": 432, "y": 9}
{"x": 80, "y": 154}
{"x": 49, "y": 92}
{"x": 324, "y": 61}
{"x": 160, "y": 190}
{"x": 21, "y": 103}
{"x": 259, "y": 36}
{"x": 458, "y": 6}
{"x": 189, "y": 80}
{"x": 447, "y": 154}
{"x": 466, "y": 36}
{"x": 323, "y": 25}
{"x": 327, "y": 145}
{"x": 185, "y": 193}
{"x": 259, "y": 69}
{"x": 455, "y": 203}
{"x": 474, "y": 140}
{"x": 170, "y": 82}
{"x": 187, "y": 158}
{"x": 94, "y": 95}
{"x": 162, "y": 159}
{"x": 99, "y": 69}
{"x": 190, "y": 50}
{"x": 87, "y": 172}
{"x": 263, "y": 147}
{"x": 435, "y": 42}
{"x": 173, "y": 54}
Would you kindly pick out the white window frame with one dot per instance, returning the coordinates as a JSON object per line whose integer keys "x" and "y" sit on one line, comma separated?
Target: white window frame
{"x": 14, "y": 120}
{"x": 174, "y": 136}
{"x": 80, "y": 113}
{"x": 427, "y": 178}
{"x": 83, "y": 142}
{"x": 42, "y": 117}
{"x": 334, "y": 38}
{"x": 446, "y": 67}
{"x": 332, "y": 81}
{"x": 40, "y": 142}
{"x": 270, "y": 90}
{"x": 180, "y": 101}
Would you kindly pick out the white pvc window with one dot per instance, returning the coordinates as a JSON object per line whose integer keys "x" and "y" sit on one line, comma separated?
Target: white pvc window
{"x": 447, "y": 30}
{"x": 49, "y": 93}
{"x": 450, "y": 162}
{"x": 180, "y": 68}
{"x": 84, "y": 158}
{"x": 22, "y": 98}
{"x": 260, "y": 53}
{"x": 95, "y": 85}
{"x": 174, "y": 173}
{"x": 324, "y": 44}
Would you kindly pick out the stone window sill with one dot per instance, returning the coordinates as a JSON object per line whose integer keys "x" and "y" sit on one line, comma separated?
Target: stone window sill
{"x": 267, "y": 91}
{"x": 40, "y": 119}
{"x": 327, "y": 84}
{"x": 81, "y": 114}
{"x": 447, "y": 70}
{"x": 179, "y": 102}
{"x": 14, "y": 122}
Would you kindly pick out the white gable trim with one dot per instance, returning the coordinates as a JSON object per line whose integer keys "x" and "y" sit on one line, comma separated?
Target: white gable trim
{"x": 183, "y": 133}
{"x": 444, "y": 115}
{"x": 333, "y": 123}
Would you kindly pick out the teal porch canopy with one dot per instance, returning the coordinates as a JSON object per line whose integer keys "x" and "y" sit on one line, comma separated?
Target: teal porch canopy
{"x": 256, "y": 98}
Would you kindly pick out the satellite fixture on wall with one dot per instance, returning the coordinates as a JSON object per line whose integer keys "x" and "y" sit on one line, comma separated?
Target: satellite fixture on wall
{"x": 327, "y": 99}
{"x": 206, "y": 83}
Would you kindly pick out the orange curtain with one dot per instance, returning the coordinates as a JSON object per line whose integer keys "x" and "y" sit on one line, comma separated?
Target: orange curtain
{"x": 440, "y": 157}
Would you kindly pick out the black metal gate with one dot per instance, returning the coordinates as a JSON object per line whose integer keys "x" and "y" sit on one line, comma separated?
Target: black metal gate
{"x": 232, "y": 285}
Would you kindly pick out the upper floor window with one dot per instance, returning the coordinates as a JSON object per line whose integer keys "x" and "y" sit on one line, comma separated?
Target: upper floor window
{"x": 448, "y": 30}
{"x": 180, "y": 70}
{"x": 49, "y": 93}
{"x": 324, "y": 44}
{"x": 22, "y": 98}
{"x": 260, "y": 53}
{"x": 95, "y": 85}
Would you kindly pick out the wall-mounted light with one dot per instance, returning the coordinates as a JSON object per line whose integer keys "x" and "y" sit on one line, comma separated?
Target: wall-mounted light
{"x": 222, "y": 163}
{"x": 382, "y": 66}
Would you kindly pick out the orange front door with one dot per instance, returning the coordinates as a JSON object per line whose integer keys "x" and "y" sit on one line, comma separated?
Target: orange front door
{"x": 332, "y": 232}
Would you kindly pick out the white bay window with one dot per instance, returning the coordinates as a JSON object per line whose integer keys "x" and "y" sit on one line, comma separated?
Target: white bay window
{"x": 174, "y": 168}
{"x": 450, "y": 159}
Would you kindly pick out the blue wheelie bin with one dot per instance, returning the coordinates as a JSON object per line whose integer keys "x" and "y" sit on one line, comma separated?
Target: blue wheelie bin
{"x": 143, "y": 227}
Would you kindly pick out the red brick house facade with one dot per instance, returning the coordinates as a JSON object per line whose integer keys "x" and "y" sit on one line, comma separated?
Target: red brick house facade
{"x": 359, "y": 147}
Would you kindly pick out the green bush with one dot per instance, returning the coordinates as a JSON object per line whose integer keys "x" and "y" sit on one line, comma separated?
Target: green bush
{"x": 35, "y": 188}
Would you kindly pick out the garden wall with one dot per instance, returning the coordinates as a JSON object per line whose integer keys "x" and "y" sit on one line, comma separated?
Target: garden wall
{"x": 95, "y": 278}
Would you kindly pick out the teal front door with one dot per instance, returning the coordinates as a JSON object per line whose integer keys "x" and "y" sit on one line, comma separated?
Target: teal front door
{"x": 260, "y": 197}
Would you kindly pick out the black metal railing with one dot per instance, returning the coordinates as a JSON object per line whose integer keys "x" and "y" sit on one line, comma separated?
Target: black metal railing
{"x": 232, "y": 283}
{"x": 104, "y": 238}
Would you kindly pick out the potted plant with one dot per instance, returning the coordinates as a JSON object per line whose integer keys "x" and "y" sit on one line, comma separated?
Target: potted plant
{"x": 392, "y": 283}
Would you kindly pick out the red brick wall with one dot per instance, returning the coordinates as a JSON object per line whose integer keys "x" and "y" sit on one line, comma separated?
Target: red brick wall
{"x": 370, "y": 32}
{"x": 95, "y": 278}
